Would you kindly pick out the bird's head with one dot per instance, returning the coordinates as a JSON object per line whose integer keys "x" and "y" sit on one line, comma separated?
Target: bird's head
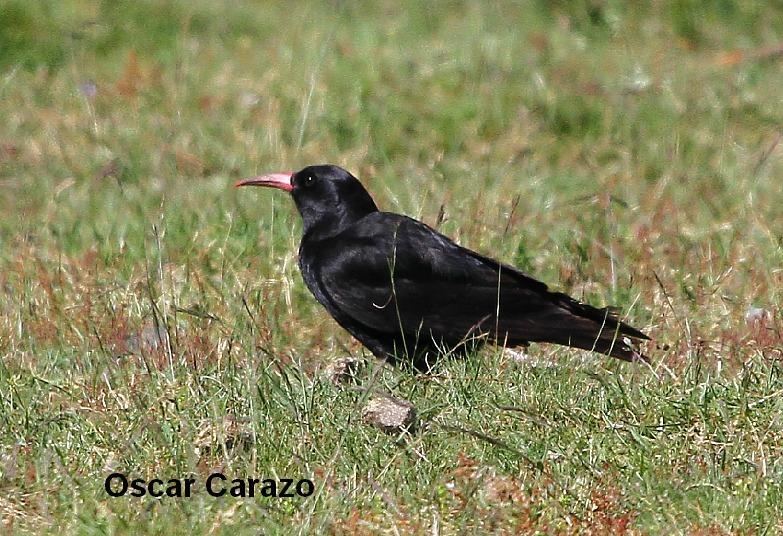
{"x": 328, "y": 197}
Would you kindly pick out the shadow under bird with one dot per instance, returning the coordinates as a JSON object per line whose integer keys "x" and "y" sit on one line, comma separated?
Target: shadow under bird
{"x": 409, "y": 293}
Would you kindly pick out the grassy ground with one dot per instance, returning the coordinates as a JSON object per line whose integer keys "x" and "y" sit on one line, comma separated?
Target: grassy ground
{"x": 154, "y": 321}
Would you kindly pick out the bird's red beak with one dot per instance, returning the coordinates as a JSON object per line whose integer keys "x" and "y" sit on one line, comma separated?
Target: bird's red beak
{"x": 280, "y": 180}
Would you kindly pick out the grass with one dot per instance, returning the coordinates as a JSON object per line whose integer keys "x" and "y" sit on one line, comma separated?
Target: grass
{"x": 153, "y": 316}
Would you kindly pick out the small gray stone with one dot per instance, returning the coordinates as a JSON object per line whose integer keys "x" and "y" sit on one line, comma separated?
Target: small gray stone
{"x": 522, "y": 358}
{"x": 756, "y": 316}
{"x": 390, "y": 414}
{"x": 344, "y": 369}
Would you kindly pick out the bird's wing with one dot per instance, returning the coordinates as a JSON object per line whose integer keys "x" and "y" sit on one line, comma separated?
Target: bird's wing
{"x": 396, "y": 275}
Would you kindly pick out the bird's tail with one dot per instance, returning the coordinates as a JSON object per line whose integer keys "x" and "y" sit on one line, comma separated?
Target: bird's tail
{"x": 589, "y": 328}
{"x": 601, "y": 331}
{"x": 607, "y": 342}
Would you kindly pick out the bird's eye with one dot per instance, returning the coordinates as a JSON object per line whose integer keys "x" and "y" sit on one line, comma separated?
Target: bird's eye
{"x": 309, "y": 180}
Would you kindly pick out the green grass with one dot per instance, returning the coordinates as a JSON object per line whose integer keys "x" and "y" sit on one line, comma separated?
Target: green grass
{"x": 618, "y": 153}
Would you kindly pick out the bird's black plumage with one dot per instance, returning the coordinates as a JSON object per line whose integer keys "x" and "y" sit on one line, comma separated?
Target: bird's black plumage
{"x": 407, "y": 292}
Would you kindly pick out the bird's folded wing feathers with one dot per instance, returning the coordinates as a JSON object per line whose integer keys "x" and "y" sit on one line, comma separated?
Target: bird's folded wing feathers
{"x": 416, "y": 280}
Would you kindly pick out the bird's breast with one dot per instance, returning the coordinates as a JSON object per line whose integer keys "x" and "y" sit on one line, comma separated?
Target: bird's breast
{"x": 308, "y": 271}
{"x": 308, "y": 266}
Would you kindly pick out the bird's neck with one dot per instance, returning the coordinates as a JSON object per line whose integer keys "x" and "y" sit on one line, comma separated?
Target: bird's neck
{"x": 329, "y": 225}
{"x": 326, "y": 220}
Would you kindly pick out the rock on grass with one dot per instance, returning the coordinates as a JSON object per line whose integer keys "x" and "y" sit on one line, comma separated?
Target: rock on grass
{"x": 343, "y": 370}
{"x": 390, "y": 414}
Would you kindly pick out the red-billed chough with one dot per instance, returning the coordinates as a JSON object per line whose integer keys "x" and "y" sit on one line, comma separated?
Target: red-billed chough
{"x": 409, "y": 293}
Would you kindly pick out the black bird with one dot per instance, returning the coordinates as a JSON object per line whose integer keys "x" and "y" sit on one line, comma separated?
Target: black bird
{"x": 409, "y": 293}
